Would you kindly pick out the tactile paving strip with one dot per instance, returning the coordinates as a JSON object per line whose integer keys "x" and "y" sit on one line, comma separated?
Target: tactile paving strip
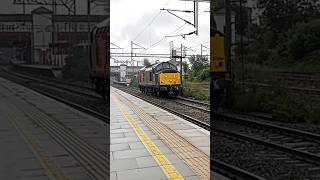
{"x": 192, "y": 156}
{"x": 52, "y": 169}
{"x": 163, "y": 162}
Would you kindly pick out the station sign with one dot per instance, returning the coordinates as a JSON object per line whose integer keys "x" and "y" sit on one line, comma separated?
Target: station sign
{"x": 123, "y": 62}
{"x": 217, "y": 55}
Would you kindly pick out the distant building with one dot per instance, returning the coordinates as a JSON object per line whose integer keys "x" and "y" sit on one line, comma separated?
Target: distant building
{"x": 123, "y": 72}
{"x": 30, "y": 36}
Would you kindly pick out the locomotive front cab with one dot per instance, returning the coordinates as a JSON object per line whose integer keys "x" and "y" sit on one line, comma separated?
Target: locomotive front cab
{"x": 168, "y": 78}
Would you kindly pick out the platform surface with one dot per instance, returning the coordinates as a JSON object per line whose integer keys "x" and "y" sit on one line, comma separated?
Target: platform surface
{"x": 150, "y": 143}
{"x": 34, "y": 130}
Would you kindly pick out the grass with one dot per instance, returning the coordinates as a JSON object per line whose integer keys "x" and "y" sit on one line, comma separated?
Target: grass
{"x": 277, "y": 102}
{"x": 199, "y": 91}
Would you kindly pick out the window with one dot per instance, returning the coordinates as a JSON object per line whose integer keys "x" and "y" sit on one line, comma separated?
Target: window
{"x": 159, "y": 67}
{"x": 173, "y": 67}
{"x": 150, "y": 76}
{"x": 166, "y": 66}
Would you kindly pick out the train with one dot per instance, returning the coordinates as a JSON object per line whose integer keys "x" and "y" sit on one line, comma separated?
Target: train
{"x": 100, "y": 58}
{"x": 160, "y": 79}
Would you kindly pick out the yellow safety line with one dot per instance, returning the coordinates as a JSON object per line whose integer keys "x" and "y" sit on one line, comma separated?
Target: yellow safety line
{"x": 52, "y": 170}
{"x": 161, "y": 159}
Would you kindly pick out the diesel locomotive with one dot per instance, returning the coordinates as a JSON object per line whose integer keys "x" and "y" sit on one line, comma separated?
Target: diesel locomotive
{"x": 161, "y": 79}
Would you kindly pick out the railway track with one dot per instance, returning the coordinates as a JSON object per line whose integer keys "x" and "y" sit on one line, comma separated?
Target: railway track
{"x": 296, "y": 90}
{"x": 76, "y": 96}
{"x": 67, "y": 86}
{"x": 232, "y": 172}
{"x": 293, "y": 148}
{"x": 91, "y": 158}
{"x": 194, "y": 113}
{"x": 298, "y": 149}
{"x": 293, "y": 82}
{"x": 221, "y": 168}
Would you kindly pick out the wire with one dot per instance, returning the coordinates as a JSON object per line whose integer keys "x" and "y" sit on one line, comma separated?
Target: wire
{"x": 149, "y": 24}
{"x": 199, "y": 44}
{"x": 153, "y": 45}
{"x": 191, "y": 18}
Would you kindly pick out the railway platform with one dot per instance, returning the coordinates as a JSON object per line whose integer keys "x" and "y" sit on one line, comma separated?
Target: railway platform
{"x": 150, "y": 143}
{"x": 41, "y": 138}
{"x": 41, "y": 70}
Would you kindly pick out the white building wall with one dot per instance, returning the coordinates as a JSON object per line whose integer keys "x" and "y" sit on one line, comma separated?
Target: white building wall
{"x": 41, "y": 36}
{"x": 123, "y": 73}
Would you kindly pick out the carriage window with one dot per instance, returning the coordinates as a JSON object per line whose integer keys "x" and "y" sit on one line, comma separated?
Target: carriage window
{"x": 159, "y": 67}
{"x": 150, "y": 76}
{"x": 166, "y": 66}
{"x": 173, "y": 67}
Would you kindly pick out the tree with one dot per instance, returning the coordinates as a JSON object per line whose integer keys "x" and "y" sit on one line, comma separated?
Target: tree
{"x": 185, "y": 66}
{"x": 76, "y": 67}
{"x": 280, "y": 15}
{"x": 198, "y": 63}
{"x": 303, "y": 39}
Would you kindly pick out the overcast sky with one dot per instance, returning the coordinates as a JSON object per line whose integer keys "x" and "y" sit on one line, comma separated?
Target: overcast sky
{"x": 129, "y": 20}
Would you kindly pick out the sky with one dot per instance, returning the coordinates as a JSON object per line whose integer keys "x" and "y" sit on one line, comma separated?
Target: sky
{"x": 142, "y": 22}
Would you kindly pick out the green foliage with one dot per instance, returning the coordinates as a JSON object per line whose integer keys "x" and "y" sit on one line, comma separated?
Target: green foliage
{"x": 197, "y": 90}
{"x": 280, "y": 15}
{"x": 293, "y": 49}
{"x": 134, "y": 82}
{"x": 304, "y": 38}
{"x": 185, "y": 66}
{"x": 77, "y": 67}
{"x": 204, "y": 74}
{"x": 277, "y": 102}
{"x": 196, "y": 93}
{"x": 198, "y": 63}
{"x": 248, "y": 102}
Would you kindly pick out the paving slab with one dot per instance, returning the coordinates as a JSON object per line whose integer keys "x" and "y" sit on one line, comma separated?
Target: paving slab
{"x": 134, "y": 148}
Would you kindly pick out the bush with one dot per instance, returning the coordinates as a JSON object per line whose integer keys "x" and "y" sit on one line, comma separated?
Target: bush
{"x": 134, "y": 82}
{"x": 77, "y": 67}
{"x": 204, "y": 74}
{"x": 304, "y": 38}
{"x": 277, "y": 102}
{"x": 196, "y": 93}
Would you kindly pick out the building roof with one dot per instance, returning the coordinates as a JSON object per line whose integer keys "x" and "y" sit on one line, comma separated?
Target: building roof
{"x": 41, "y": 10}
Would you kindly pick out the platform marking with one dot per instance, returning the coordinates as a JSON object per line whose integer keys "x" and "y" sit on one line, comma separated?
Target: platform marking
{"x": 161, "y": 159}
{"x": 53, "y": 171}
{"x": 191, "y": 155}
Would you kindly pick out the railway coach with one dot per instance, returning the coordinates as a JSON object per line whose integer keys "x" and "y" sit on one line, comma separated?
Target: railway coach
{"x": 161, "y": 79}
{"x": 100, "y": 58}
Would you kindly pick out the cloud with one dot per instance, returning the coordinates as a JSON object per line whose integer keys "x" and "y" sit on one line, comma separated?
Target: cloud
{"x": 129, "y": 18}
